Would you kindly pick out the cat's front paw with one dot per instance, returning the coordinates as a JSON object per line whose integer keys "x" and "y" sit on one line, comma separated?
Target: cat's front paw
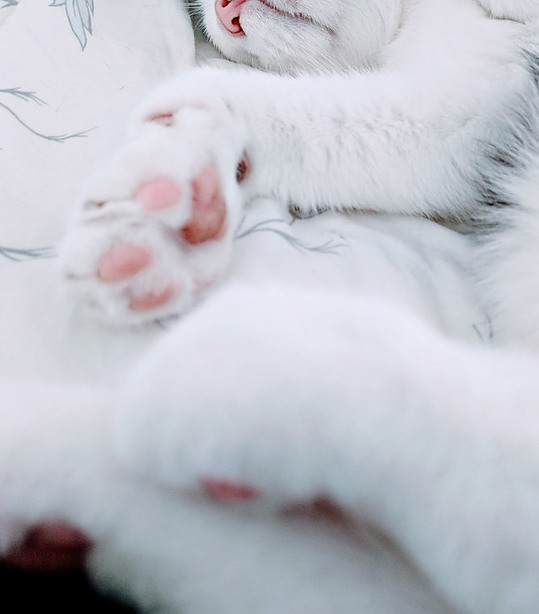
{"x": 156, "y": 224}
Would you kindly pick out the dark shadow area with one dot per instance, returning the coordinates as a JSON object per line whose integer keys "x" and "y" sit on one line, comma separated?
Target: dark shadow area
{"x": 61, "y": 593}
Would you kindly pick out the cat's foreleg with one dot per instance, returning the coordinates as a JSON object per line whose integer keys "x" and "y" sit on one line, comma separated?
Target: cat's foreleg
{"x": 155, "y": 226}
{"x": 412, "y": 136}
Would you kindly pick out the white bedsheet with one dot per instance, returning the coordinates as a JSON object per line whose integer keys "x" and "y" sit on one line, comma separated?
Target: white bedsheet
{"x": 68, "y": 77}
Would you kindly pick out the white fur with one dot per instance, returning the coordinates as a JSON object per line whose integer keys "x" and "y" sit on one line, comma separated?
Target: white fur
{"x": 416, "y": 125}
{"x": 433, "y": 442}
{"x": 509, "y": 264}
{"x": 337, "y": 382}
{"x": 161, "y": 548}
{"x": 520, "y": 10}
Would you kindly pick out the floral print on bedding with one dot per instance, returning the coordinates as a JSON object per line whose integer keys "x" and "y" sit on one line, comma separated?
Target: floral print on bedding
{"x": 79, "y": 15}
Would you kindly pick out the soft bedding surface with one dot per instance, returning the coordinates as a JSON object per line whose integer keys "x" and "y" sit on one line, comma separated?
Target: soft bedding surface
{"x": 70, "y": 71}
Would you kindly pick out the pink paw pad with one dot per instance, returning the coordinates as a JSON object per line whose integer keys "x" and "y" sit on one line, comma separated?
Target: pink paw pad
{"x": 51, "y": 547}
{"x": 151, "y": 300}
{"x": 228, "y": 491}
{"x": 123, "y": 260}
{"x": 208, "y": 220}
{"x": 164, "y": 119}
{"x": 158, "y": 194}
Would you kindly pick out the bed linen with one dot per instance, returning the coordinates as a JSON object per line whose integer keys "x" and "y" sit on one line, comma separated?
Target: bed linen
{"x": 69, "y": 74}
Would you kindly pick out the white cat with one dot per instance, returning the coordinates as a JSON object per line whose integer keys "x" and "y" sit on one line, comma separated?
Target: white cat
{"x": 290, "y": 389}
{"x": 435, "y": 114}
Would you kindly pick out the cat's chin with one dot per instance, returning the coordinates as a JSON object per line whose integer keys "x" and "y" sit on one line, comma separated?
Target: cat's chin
{"x": 266, "y": 33}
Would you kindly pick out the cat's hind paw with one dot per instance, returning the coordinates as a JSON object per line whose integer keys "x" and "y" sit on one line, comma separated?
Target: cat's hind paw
{"x": 217, "y": 401}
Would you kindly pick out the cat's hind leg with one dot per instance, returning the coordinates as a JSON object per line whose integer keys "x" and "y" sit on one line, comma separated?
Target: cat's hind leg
{"x": 355, "y": 400}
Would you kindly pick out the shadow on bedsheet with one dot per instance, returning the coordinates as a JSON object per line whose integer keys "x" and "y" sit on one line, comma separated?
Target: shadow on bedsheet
{"x": 60, "y": 593}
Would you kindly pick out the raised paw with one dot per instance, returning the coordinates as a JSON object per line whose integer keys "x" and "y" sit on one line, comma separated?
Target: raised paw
{"x": 156, "y": 226}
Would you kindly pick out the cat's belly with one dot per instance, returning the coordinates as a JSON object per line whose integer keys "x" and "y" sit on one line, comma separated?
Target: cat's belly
{"x": 410, "y": 261}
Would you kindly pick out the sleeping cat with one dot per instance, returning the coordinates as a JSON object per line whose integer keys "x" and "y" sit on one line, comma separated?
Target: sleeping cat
{"x": 425, "y": 108}
{"x": 346, "y": 396}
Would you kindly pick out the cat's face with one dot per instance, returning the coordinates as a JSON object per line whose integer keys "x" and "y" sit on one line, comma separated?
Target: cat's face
{"x": 294, "y": 36}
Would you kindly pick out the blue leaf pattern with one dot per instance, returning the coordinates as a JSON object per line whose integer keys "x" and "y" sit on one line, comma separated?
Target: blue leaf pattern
{"x": 21, "y": 255}
{"x": 17, "y": 92}
{"x": 79, "y": 14}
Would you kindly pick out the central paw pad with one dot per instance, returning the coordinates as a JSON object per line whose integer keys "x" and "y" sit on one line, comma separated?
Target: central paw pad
{"x": 158, "y": 194}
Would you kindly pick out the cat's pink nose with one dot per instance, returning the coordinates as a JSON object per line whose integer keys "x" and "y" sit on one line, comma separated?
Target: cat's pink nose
{"x": 228, "y": 12}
